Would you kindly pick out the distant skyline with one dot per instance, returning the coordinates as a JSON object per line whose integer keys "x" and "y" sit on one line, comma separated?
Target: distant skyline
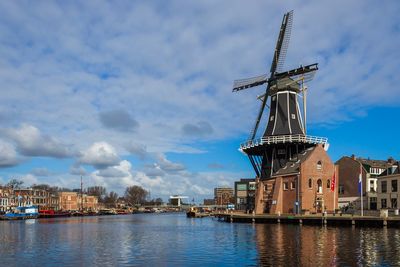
{"x": 139, "y": 93}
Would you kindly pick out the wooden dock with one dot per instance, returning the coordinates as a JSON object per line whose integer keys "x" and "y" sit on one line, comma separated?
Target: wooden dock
{"x": 337, "y": 220}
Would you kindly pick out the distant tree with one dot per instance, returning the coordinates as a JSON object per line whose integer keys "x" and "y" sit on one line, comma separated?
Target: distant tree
{"x": 14, "y": 183}
{"x": 111, "y": 199}
{"x": 98, "y": 191}
{"x": 135, "y": 195}
{"x": 42, "y": 187}
{"x": 158, "y": 201}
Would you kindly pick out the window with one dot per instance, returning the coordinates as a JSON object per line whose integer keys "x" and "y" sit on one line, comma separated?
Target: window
{"x": 384, "y": 186}
{"x": 383, "y": 203}
{"x": 341, "y": 189}
{"x": 252, "y": 186}
{"x": 371, "y": 186}
{"x": 393, "y": 203}
{"x": 319, "y": 165}
{"x": 241, "y": 187}
{"x": 394, "y": 185}
{"x": 328, "y": 183}
{"x": 310, "y": 183}
{"x": 319, "y": 186}
{"x": 285, "y": 186}
{"x": 293, "y": 185}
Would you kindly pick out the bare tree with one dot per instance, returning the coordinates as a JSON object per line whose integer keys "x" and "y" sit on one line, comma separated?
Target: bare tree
{"x": 98, "y": 191}
{"x": 14, "y": 183}
{"x": 135, "y": 195}
{"x": 111, "y": 199}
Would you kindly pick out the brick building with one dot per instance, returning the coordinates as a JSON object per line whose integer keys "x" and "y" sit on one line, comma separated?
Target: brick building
{"x": 349, "y": 171}
{"x": 301, "y": 185}
{"x": 74, "y": 201}
{"x": 223, "y": 195}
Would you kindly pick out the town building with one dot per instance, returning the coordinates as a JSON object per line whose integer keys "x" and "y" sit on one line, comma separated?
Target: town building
{"x": 223, "y": 195}
{"x": 388, "y": 193}
{"x": 306, "y": 184}
{"x": 7, "y": 198}
{"x": 68, "y": 200}
{"x": 31, "y": 196}
{"x": 349, "y": 171}
{"x": 245, "y": 191}
{"x": 75, "y": 201}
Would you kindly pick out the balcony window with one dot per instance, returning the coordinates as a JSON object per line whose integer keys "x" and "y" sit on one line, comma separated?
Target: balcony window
{"x": 393, "y": 202}
{"x": 383, "y": 203}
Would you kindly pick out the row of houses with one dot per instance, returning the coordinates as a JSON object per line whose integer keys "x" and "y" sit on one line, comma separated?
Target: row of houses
{"x": 320, "y": 183}
{"x": 45, "y": 200}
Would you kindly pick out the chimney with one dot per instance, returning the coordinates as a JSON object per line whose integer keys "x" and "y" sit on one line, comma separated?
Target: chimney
{"x": 353, "y": 156}
{"x": 390, "y": 160}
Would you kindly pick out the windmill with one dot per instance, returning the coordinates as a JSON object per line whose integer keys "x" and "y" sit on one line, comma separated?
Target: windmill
{"x": 285, "y": 133}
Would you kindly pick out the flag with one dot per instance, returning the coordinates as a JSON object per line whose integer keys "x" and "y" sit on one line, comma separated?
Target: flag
{"x": 360, "y": 181}
{"x": 333, "y": 184}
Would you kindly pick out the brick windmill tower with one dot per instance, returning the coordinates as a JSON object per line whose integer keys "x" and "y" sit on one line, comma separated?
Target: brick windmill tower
{"x": 282, "y": 151}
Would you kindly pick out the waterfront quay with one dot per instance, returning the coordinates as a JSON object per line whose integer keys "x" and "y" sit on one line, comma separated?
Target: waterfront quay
{"x": 336, "y": 220}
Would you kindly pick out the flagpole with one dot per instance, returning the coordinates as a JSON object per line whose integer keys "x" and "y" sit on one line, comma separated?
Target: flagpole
{"x": 334, "y": 190}
{"x": 361, "y": 191}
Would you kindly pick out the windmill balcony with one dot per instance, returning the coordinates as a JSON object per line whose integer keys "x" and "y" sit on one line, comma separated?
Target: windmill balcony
{"x": 280, "y": 139}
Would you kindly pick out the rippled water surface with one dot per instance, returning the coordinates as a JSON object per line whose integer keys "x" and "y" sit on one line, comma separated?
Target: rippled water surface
{"x": 174, "y": 240}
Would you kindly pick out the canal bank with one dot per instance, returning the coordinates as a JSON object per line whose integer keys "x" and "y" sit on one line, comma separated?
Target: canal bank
{"x": 337, "y": 220}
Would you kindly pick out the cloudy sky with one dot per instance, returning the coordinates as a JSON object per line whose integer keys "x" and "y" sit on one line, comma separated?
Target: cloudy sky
{"x": 139, "y": 92}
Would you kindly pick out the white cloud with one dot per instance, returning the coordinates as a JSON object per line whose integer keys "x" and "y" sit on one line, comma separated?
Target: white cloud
{"x": 99, "y": 155}
{"x": 31, "y": 142}
{"x": 8, "y": 155}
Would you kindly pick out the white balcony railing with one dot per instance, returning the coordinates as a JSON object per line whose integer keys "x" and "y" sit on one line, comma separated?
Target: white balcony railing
{"x": 280, "y": 139}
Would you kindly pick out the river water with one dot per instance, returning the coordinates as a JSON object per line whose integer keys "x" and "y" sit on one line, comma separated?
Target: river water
{"x": 171, "y": 239}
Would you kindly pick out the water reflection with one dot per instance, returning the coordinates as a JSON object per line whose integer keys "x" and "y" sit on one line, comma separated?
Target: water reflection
{"x": 174, "y": 240}
{"x": 293, "y": 245}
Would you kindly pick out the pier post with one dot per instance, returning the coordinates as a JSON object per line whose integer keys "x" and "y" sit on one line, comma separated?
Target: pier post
{"x": 353, "y": 222}
{"x": 384, "y": 222}
{"x": 301, "y": 221}
{"x": 231, "y": 218}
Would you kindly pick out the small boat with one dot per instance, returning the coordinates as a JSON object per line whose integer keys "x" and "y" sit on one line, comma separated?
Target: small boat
{"x": 22, "y": 213}
{"x": 197, "y": 212}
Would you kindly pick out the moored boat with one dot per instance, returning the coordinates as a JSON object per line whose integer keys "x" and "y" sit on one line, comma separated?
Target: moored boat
{"x": 53, "y": 214}
{"x": 22, "y": 213}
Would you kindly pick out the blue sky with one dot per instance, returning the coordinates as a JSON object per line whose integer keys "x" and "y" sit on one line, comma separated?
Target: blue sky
{"x": 132, "y": 92}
